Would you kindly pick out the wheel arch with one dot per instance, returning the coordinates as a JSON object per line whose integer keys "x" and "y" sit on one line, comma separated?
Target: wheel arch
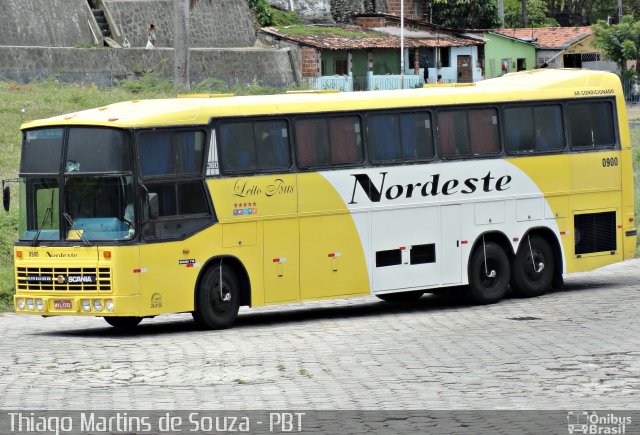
{"x": 238, "y": 268}
{"x": 497, "y": 237}
{"x": 551, "y": 238}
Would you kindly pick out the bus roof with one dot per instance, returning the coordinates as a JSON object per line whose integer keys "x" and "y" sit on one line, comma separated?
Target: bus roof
{"x": 523, "y": 86}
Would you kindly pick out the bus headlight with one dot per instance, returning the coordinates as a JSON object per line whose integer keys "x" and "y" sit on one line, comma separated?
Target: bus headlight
{"x": 30, "y": 304}
{"x": 109, "y": 304}
{"x": 21, "y": 304}
{"x": 39, "y": 305}
{"x": 86, "y": 305}
{"x": 97, "y": 304}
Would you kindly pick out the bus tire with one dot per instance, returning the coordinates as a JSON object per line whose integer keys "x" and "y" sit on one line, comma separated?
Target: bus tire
{"x": 484, "y": 289}
{"x": 401, "y": 298}
{"x": 217, "y": 298}
{"x": 123, "y": 322}
{"x": 525, "y": 280}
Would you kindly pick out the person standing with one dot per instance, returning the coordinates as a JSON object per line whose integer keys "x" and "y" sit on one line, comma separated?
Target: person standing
{"x": 151, "y": 37}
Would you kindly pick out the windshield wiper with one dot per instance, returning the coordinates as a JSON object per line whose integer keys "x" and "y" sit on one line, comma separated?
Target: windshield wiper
{"x": 78, "y": 231}
{"x": 48, "y": 212}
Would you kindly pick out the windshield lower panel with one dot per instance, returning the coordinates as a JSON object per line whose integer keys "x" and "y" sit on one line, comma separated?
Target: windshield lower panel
{"x": 96, "y": 208}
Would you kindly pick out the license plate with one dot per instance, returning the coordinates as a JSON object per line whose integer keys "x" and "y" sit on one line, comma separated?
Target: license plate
{"x": 64, "y": 304}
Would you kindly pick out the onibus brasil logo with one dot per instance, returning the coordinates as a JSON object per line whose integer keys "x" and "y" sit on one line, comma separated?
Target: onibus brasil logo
{"x": 593, "y": 423}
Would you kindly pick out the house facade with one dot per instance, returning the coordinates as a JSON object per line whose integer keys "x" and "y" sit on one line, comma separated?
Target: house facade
{"x": 375, "y": 54}
{"x": 504, "y": 54}
{"x": 563, "y": 47}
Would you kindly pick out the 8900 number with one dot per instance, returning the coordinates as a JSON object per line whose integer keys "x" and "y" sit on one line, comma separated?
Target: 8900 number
{"x": 609, "y": 161}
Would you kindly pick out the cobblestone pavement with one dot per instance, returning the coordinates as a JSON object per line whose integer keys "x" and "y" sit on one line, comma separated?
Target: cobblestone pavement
{"x": 571, "y": 349}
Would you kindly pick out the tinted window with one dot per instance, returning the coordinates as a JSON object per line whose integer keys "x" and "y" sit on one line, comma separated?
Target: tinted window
{"x": 405, "y": 136}
{"x": 174, "y": 199}
{"x": 254, "y": 146}
{"x": 471, "y": 132}
{"x": 328, "y": 141}
{"x": 533, "y": 129}
{"x": 164, "y": 153}
{"x": 591, "y": 125}
{"x": 97, "y": 150}
{"x": 42, "y": 151}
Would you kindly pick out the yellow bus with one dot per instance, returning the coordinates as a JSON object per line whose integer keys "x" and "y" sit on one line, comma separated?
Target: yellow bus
{"x": 203, "y": 204}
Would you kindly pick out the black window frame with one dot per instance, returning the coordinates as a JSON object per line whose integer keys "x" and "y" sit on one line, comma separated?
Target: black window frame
{"x": 363, "y": 161}
{"x": 614, "y": 119}
{"x": 199, "y": 221}
{"x": 403, "y": 160}
{"x": 221, "y": 154}
{"x": 467, "y": 108}
{"x": 533, "y": 105}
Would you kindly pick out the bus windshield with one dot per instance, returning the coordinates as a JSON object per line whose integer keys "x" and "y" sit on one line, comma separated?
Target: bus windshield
{"x": 88, "y": 196}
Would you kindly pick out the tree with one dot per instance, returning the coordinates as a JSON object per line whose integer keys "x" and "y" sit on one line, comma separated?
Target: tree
{"x": 535, "y": 10}
{"x": 466, "y": 14}
{"x": 620, "y": 42}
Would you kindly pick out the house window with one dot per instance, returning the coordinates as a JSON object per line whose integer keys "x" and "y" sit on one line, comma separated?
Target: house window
{"x": 445, "y": 55}
{"x": 342, "y": 67}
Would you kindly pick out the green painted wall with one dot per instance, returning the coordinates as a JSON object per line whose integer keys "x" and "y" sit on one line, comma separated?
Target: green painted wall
{"x": 499, "y": 48}
{"x": 385, "y": 61}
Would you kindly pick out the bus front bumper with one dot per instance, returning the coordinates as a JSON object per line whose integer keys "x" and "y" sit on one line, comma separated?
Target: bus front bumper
{"x": 63, "y": 305}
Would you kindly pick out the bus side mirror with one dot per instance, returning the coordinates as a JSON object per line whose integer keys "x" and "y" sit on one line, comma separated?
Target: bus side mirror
{"x": 6, "y": 196}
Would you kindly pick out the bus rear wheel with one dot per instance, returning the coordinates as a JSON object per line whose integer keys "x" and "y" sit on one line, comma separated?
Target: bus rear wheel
{"x": 533, "y": 267}
{"x": 217, "y": 298}
{"x": 489, "y": 273}
{"x": 123, "y": 322}
{"x": 401, "y": 298}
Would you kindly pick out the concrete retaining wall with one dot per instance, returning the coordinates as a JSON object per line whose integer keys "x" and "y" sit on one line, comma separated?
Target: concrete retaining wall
{"x": 104, "y": 65}
{"x": 219, "y": 23}
{"x": 50, "y": 23}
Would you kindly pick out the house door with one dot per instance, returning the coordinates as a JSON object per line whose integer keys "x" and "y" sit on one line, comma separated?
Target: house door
{"x": 464, "y": 69}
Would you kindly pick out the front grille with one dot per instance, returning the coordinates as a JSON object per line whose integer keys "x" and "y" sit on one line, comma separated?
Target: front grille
{"x": 64, "y": 279}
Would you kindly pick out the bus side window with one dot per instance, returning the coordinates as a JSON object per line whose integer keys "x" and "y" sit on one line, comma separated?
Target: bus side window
{"x": 591, "y": 125}
{"x": 345, "y": 135}
{"x": 518, "y": 126}
{"x": 384, "y": 137}
{"x": 417, "y": 136}
{"x": 312, "y": 142}
{"x": 453, "y": 131}
{"x": 272, "y": 145}
{"x": 237, "y": 146}
{"x": 483, "y": 127}
{"x": 548, "y": 128}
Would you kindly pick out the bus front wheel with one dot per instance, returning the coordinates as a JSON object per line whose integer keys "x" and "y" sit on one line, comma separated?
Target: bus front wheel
{"x": 218, "y": 298}
{"x": 123, "y": 322}
{"x": 533, "y": 267}
{"x": 489, "y": 273}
